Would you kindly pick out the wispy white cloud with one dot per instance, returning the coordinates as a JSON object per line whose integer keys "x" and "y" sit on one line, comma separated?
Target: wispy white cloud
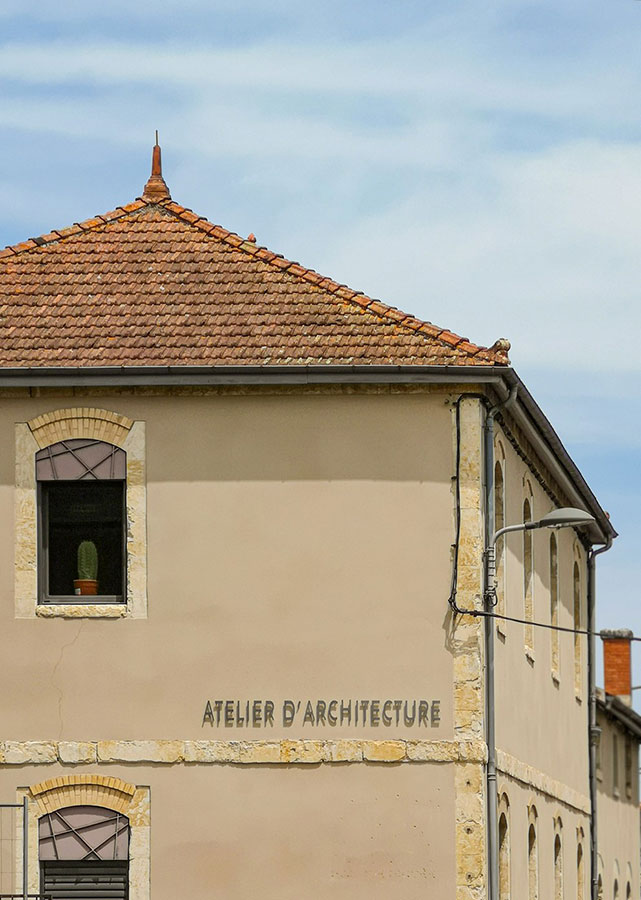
{"x": 498, "y": 196}
{"x": 539, "y": 248}
{"x": 476, "y": 164}
{"x": 450, "y": 74}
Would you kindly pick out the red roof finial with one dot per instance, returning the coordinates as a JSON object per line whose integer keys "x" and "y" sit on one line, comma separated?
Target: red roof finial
{"x": 156, "y": 189}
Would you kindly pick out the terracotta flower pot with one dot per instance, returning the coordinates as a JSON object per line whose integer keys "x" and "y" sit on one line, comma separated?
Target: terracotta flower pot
{"x": 85, "y": 586}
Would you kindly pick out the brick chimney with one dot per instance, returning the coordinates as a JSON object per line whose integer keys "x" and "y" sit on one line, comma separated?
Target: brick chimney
{"x": 617, "y": 665}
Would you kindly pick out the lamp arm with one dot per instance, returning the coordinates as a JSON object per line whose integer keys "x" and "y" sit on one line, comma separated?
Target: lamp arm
{"x": 522, "y": 526}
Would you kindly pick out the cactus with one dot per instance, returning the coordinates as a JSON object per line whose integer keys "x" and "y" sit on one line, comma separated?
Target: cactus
{"x": 87, "y": 561}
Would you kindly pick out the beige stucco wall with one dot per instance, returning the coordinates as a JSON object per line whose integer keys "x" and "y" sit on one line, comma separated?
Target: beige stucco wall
{"x": 541, "y": 719}
{"x": 296, "y": 549}
{"x": 249, "y": 832}
{"x": 618, "y": 813}
{"x": 550, "y": 817}
{"x": 298, "y": 546}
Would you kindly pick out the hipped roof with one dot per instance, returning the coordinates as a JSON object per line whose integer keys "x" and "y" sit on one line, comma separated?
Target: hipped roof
{"x": 153, "y": 284}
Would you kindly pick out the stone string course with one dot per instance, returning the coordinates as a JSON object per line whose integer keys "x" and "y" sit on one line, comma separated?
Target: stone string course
{"x": 519, "y": 771}
{"x": 20, "y": 753}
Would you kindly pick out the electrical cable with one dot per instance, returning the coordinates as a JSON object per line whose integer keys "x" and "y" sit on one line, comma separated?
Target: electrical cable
{"x": 457, "y": 494}
{"x": 454, "y": 582}
{"x": 492, "y": 615}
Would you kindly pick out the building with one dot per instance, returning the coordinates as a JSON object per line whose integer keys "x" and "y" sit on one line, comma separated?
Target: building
{"x": 617, "y": 772}
{"x": 268, "y": 685}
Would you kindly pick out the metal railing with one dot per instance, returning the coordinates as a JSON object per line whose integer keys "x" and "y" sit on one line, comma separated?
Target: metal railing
{"x": 24, "y": 806}
{"x": 22, "y": 896}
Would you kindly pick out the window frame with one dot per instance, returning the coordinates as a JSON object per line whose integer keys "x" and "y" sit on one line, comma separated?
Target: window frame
{"x": 46, "y": 599}
{"x": 40, "y": 432}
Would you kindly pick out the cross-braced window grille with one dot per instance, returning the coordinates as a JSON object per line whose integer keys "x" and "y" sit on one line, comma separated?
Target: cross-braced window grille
{"x": 84, "y": 832}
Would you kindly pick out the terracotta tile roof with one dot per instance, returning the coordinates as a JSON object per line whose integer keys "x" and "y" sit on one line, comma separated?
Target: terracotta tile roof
{"x": 152, "y": 283}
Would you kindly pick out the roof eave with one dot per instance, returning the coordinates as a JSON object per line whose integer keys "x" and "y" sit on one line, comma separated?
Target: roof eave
{"x": 623, "y": 714}
{"x": 501, "y": 379}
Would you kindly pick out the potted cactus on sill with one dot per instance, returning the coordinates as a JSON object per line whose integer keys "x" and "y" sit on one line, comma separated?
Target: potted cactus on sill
{"x": 87, "y": 580}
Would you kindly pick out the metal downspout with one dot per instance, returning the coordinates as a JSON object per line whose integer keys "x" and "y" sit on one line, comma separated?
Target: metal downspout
{"x": 593, "y": 729}
{"x": 490, "y": 724}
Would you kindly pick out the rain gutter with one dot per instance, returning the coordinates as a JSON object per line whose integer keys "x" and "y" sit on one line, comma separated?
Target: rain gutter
{"x": 501, "y": 379}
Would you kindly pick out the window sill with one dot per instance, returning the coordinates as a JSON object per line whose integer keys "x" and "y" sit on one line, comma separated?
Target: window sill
{"x": 82, "y": 610}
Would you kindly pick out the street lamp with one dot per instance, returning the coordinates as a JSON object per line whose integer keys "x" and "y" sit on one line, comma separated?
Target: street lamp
{"x": 557, "y": 518}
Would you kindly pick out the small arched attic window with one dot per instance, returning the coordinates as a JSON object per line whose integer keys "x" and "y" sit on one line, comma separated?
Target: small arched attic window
{"x": 554, "y": 605}
{"x": 499, "y": 522}
{"x": 528, "y": 575}
{"x": 578, "y": 625}
{"x": 81, "y": 501}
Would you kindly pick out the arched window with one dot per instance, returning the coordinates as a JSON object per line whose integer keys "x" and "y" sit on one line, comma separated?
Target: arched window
{"x": 580, "y": 874}
{"x": 528, "y": 573}
{"x": 578, "y": 673}
{"x": 84, "y": 853}
{"x": 558, "y": 868}
{"x": 599, "y": 888}
{"x": 554, "y": 604}
{"x": 628, "y": 891}
{"x": 628, "y": 767}
{"x": 504, "y": 858}
{"x": 615, "y": 890}
{"x": 81, "y": 501}
{"x": 499, "y": 522}
{"x": 532, "y": 864}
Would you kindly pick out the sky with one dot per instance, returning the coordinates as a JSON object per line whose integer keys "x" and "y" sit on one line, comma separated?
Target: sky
{"x": 476, "y": 163}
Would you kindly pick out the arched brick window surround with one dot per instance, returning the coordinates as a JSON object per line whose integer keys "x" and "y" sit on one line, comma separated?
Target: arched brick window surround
{"x": 50, "y": 428}
{"x": 94, "y": 790}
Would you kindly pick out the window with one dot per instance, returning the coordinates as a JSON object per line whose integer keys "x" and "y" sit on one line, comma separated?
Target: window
{"x": 528, "y": 572}
{"x": 84, "y": 853}
{"x": 558, "y": 869}
{"x": 81, "y": 528}
{"x": 580, "y": 875}
{"x": 532, "y": 864}
{"x": 554, "y": 605}
{"x": 615, "y": 765}
{"x": 615, "y": 891}
{"x": 578, "y": 674}
{"x": 504, "y": 849}
{"x": 628, "y": 768}
{"x": 499, "y": 522}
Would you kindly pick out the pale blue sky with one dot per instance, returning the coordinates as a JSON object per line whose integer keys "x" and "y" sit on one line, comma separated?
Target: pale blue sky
{"x": 475, "y": 163}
